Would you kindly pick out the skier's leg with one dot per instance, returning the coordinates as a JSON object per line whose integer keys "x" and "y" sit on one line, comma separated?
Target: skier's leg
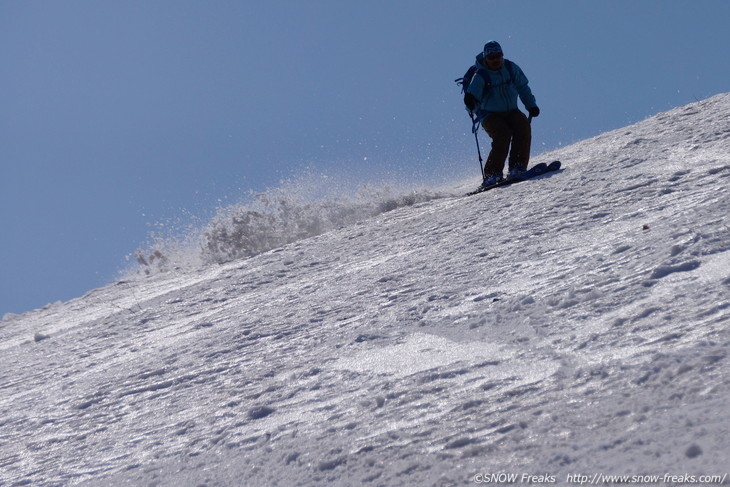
{"x": 501, "y": 133}
{"x": 519, "y": 156}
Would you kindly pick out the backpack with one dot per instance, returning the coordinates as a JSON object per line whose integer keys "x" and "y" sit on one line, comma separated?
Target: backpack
{"x": 465, "y": 81}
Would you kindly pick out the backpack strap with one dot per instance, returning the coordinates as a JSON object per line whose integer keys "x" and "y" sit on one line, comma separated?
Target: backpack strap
{"x": 466, "y": 79}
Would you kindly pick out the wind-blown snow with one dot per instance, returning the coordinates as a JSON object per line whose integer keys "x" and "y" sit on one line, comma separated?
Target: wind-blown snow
{"x": 574, "y": 324}
{"x": 303, "y": 207}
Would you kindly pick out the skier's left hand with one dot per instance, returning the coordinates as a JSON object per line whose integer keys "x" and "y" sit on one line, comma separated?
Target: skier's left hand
{"x": 534, "y": 111}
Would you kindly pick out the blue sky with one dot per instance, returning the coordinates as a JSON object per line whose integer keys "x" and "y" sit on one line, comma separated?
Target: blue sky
{"x": 116, "y": 117}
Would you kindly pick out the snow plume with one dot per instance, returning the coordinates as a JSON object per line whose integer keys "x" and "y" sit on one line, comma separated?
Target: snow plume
{"x": 304, "y": 206}
{"x": 278, "y": 218}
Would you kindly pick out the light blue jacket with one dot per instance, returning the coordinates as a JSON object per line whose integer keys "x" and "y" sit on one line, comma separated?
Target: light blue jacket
{"x": 496, "y": 91}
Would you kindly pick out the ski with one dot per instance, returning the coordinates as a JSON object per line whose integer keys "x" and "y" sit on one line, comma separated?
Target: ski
{"x": 535, "y": 170}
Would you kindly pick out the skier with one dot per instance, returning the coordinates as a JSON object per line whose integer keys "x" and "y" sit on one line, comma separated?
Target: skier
{"x": 492, "y": 97}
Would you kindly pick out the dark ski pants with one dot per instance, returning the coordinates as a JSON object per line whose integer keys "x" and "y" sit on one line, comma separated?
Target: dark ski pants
{"x": 507, "y": 128}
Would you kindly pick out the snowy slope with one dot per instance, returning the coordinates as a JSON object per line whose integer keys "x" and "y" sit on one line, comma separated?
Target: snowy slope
{"x": 574, "y": 324}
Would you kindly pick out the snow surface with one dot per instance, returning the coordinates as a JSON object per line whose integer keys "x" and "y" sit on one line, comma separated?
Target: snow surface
{"x": 578, "y": 323}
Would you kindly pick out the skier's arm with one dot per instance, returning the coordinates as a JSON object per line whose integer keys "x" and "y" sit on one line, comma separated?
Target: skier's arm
{"x": 475, "y": 89}
{"x": 523, "y": 88}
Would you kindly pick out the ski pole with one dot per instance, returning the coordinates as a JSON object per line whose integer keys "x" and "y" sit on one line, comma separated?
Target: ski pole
{"x": 475, "y": 129}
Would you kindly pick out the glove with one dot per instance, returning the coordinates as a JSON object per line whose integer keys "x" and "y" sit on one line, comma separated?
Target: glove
{"x": 534, "y": 111}
{"x": 470, "y": 101}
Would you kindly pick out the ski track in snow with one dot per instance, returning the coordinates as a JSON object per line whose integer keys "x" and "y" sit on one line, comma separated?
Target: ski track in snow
{"x": 575, "y": 323}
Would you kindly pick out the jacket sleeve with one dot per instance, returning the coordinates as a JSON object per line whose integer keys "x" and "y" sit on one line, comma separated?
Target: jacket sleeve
{"x": 523, "y": 88}
{"x": 476, "y": 87}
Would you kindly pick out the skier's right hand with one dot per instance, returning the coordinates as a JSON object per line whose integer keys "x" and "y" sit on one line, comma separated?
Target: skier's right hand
{"x": 470, "y": 101}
